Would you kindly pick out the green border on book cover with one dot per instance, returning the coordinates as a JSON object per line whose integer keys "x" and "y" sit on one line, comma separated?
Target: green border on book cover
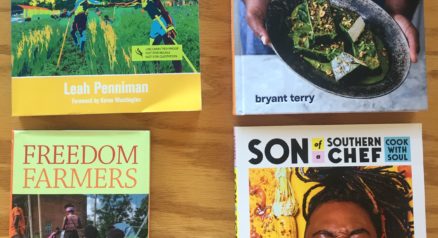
{"x": 81, "y": 162}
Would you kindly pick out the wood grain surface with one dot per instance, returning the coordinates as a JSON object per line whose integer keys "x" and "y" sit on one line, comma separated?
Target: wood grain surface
{"x": 192, "y": 179}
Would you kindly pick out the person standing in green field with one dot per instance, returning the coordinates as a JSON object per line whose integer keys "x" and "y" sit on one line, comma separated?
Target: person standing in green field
{"x": 78, "y": 29}
{"x": 162, "y": 27}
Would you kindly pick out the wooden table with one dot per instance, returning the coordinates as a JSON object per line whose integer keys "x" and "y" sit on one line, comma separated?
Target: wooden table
{"x": 192, "y": 190}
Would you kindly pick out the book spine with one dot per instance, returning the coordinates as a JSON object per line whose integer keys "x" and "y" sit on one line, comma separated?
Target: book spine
{"x": 236, "y": 187}
{"x": 233, "y": 21}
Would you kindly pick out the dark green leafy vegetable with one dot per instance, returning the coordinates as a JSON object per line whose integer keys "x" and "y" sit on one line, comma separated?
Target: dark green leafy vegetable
{"x": 301, "y": 32}
{"x": 337, "y": 42}
{"x": 350, "y": 23}
{"x": 324, "y": 67}
{"x": 365, "y": 49}
{"x": 321, "y": 18}
{"x": 324, "y": 51}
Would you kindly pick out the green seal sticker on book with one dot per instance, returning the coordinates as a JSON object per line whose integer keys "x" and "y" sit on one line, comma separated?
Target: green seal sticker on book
{"x": 157, "y": 52}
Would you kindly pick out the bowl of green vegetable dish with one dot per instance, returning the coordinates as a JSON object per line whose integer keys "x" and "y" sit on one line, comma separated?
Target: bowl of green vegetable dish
{"x": 352, "y": 48}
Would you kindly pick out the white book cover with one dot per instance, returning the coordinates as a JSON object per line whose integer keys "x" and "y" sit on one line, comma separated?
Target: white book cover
{"x": 328, "y": 56}
{"x": 363, "y": 181}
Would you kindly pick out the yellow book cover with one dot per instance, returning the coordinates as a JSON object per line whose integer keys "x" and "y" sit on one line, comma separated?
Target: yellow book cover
{"x": 110, "y": 56}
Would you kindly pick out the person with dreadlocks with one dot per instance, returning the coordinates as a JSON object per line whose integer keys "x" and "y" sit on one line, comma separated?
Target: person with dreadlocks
{"x": 162, "y": 27}
{"x": 78, "y": 29}
{"x": 357, "y": 202}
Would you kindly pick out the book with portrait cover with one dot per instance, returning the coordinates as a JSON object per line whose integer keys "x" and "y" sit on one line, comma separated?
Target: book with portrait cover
{"x": 330, "y": 181}
{"x": 80, "y": 184}
{"x": 328, "y": 56}
{"x": 104, "y": 56}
